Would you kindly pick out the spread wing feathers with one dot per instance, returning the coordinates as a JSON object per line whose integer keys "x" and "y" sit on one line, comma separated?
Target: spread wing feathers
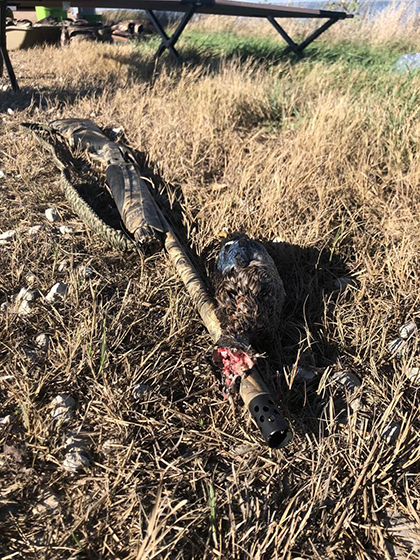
{"x": 250, "y": 293}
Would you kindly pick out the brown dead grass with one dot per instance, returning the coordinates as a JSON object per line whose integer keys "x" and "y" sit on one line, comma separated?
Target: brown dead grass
{"x": 320, "y": 155}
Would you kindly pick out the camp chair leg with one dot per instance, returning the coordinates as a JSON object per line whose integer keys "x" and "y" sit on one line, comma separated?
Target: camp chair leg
{"x": 4, "y": 58}
{"x": 298, "y": 48}
{"x": 169, "y": 42}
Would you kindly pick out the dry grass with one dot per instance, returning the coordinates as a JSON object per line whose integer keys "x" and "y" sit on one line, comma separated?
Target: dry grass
{"x": 322, "y": 153}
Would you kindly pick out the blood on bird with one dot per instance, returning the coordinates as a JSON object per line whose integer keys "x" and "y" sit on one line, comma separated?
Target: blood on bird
{"x": 235, "y": 363}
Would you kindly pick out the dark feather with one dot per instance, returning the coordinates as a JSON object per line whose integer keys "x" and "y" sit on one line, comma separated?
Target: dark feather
{"x": 250, "y": 293}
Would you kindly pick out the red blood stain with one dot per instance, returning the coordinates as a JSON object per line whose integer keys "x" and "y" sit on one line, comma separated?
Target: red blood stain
{"x": 234, "y": 362}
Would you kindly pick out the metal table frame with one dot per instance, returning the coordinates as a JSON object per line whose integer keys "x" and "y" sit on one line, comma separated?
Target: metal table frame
{"x": 169, "y": 42}
{"x": 189, "y": 7}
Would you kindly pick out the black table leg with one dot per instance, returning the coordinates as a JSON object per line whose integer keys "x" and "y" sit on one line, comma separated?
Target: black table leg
{"x": 292, "y": 45}
{"x": 298, "y": 48}
{"x": 316, "y": 34}
{"x": 3, "y": 48}
{"x": 169, "y": 42}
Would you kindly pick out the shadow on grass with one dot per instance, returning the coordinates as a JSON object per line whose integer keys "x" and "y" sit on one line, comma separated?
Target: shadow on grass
{"x": 212, "y": 48}
{"x": 211, "y": 51}
{"x": 311, "y": 278}
{"x": 42, "y": 97}
{"x": 353, "y": 55}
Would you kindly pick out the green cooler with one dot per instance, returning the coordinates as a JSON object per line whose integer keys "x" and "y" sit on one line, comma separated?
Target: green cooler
{"x": 43, "y": 12}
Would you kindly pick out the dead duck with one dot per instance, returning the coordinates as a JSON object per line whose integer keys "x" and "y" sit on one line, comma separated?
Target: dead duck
{"x": 250, "y": 296}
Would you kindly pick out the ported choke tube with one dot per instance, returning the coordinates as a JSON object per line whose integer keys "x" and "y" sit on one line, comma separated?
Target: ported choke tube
{"x": 261, "y": 404}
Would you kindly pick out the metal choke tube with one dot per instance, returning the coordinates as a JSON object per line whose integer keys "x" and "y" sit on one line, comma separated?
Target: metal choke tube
{"x": 261, "y": 404}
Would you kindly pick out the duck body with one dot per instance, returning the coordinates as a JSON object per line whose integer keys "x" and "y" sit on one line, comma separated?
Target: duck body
{"x": 250, "y": 293}
{"x": 250, "y": 297}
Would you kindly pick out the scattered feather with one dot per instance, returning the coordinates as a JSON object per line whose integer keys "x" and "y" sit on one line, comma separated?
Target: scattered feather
{"x": 408, "y": 329}
{"x": 8, "y": 235}
{"x": 52, "y": 215}
{"x": 391, "y": 432}
{"x": 75, "y": 461}
{"x": 66, "y": 230}
{"x": 397, "y": 346}
{"x": 57, "y": 292}
{"x": 347, "y": 379}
